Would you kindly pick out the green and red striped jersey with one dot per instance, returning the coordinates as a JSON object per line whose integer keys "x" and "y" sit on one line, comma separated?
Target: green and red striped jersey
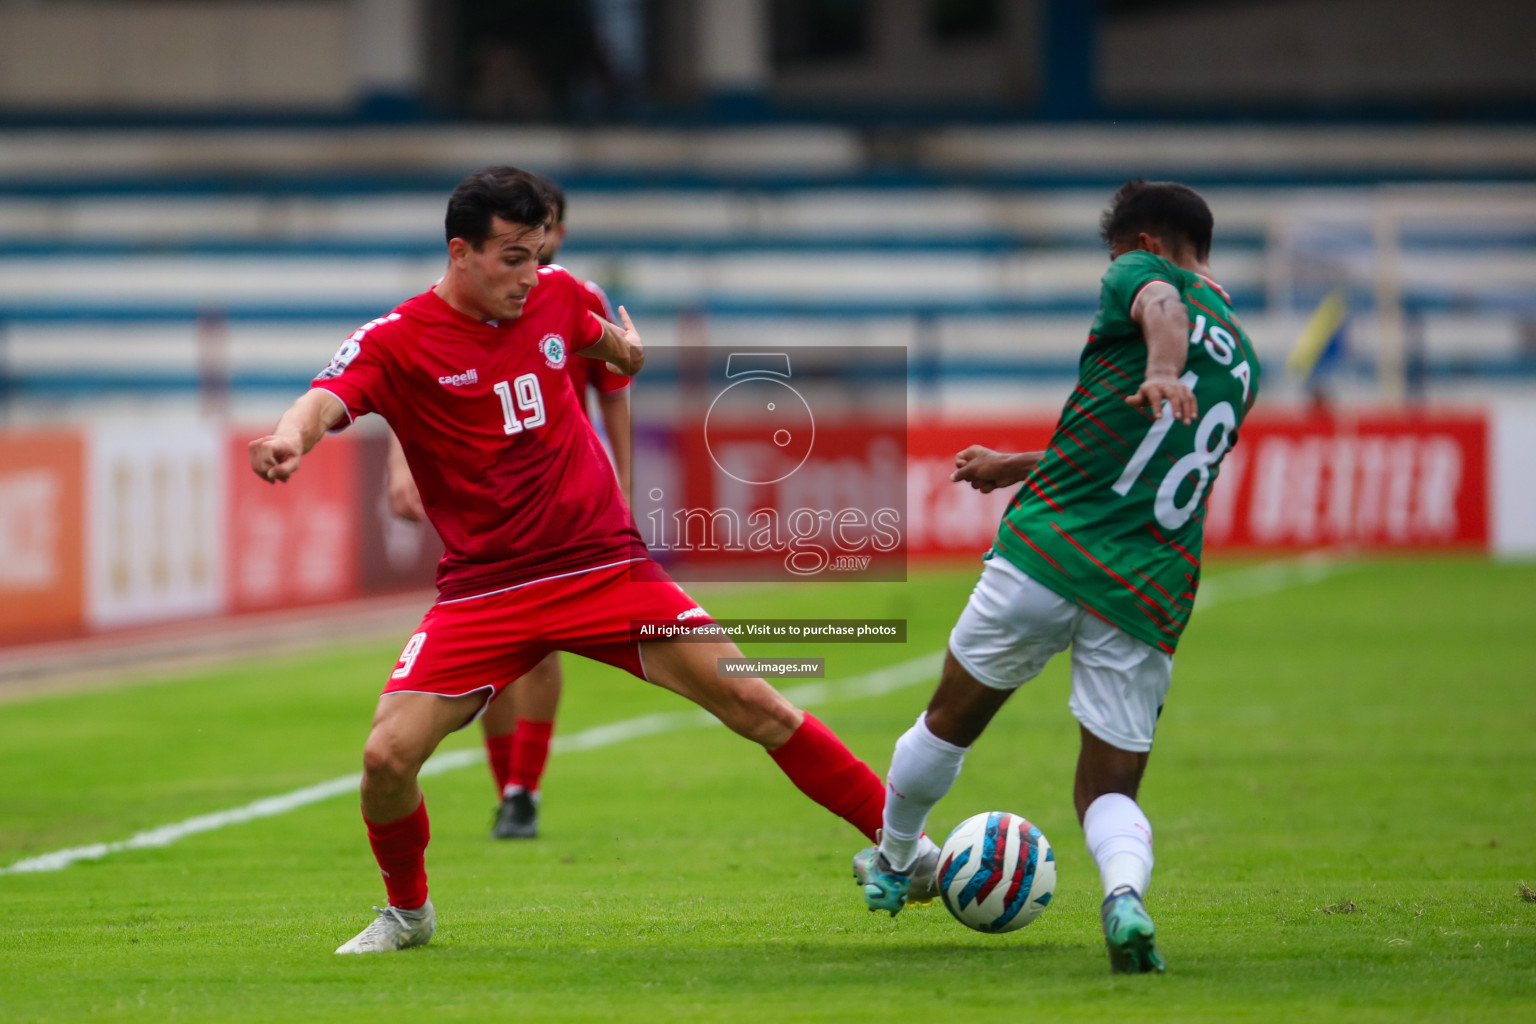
{"x": 1113, "y": 517}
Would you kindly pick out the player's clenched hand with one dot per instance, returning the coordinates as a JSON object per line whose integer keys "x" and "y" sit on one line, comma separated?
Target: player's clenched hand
{"x": 1157, "y": 389}
{"x": 987, "y": 470}
{"x": 275, "y": 457}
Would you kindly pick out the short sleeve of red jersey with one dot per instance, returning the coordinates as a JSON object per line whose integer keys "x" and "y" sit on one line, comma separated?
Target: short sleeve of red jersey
{"x": 598, "y": 374}
{"x": 355, "y": 374}
{"x": 604, "y": 379}
{"x": 585, "y": 328}
{"x": 597, "y": 301}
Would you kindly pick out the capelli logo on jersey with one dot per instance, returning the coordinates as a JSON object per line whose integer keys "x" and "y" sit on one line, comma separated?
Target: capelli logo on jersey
{"x": 693, "y": 613}
{"x": 458, "y": 380}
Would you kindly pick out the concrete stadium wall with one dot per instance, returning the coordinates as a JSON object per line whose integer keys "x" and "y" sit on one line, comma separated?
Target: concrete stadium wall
{"x": 1335, "y": 51}
{"x": 299, "y": 55}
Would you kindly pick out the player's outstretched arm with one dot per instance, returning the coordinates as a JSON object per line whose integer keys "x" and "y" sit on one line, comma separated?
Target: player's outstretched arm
{"x": 619, "y": 347}
{"x": 1165, "y": 323}
{"x": 276, "y": 456}
{"x": 987, "y": 470}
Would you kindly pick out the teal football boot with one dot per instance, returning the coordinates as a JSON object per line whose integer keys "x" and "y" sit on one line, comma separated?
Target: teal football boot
{"x": 887, "y": 889}
{"x": 1129, "y": 934}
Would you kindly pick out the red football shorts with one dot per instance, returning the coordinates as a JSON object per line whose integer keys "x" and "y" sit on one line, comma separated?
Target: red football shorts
{"x": 480, "y": 644}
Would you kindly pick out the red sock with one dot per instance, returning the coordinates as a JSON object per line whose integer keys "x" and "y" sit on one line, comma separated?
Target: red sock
{"x": 400, "y": 848}
{"x": 498, "y": 758}
{"x": 826, "y": 771}
{"x": 530, "y": 752}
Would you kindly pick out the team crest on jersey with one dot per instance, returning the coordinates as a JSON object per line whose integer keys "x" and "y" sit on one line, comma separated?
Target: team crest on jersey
{"x": 553, "y": 347}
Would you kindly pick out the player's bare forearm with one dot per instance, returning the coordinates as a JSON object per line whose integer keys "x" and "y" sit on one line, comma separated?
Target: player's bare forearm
{"x": 1165, "y": 324}
{"x": 404, "y": 497}
{"x": 276, "y": 456}
{"x": 614, "y": 406}
{"x": 987, "y": 470}
{"x": 619, "y": 347}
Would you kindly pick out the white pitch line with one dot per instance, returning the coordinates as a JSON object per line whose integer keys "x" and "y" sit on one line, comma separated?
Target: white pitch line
{"x": 1269, "y": 577}
{"x": 1242, "y": 583}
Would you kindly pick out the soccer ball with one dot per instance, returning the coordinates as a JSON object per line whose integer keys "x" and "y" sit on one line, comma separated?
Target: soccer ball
{"x": 996, "y": 872}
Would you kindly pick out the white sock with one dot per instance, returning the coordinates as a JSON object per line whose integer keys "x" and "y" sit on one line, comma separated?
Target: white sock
{"x": 1120, "y": 839}
{"x": 923, "y": 769}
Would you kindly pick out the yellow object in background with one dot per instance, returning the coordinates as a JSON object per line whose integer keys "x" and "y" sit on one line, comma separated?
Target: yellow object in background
{"x": 1322, "y": 336}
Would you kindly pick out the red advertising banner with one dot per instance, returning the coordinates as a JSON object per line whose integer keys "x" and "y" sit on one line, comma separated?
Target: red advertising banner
{"x": 1375, "y": 481}
{"x": 945, "y": 518}
{"x": 42, "y": 577}
{"x": 292, "y": 543}
{"x": 1383, "y": 480}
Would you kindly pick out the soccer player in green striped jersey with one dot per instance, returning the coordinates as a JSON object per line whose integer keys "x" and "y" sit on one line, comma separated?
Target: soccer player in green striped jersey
{"x": 1099, "y": 550}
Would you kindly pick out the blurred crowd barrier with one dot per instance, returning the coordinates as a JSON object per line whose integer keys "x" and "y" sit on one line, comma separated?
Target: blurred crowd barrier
{"x": 104, "y": 527}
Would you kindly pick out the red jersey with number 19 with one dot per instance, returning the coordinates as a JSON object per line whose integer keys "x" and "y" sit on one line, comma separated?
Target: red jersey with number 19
{"x": 510, "y": 473}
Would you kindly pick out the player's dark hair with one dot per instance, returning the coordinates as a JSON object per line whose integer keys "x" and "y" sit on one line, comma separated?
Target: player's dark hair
{"x": 554, "y": 195}
{"x": 512, "y": 194}
{"x": 1164, "y": 209}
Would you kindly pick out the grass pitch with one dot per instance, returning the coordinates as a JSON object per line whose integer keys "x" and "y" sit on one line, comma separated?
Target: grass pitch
{"x": 1342, "y": 792}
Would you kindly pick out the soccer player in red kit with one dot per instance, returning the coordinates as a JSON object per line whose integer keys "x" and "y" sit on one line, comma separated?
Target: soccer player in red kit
{"x": 520, "y": 723}
{"x": 541, "y": 551}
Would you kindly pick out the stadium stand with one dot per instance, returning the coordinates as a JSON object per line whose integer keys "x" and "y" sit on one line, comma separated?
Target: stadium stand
{"x": 242, "y": 256}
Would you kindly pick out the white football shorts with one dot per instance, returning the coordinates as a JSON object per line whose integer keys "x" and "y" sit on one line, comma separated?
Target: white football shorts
{"x": 1013, "y": 625}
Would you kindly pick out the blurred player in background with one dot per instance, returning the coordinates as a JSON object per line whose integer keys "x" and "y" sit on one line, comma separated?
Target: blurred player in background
{"x": 542, "y": 553}
{"x": 520, "y": 722}
{"x": 1100, "y": 550}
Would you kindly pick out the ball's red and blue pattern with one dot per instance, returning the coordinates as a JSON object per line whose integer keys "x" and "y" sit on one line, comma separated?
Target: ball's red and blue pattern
{"x": 996, "y": 872}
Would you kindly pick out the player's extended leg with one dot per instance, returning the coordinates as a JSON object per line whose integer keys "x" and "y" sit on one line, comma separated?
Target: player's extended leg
{"x": 407, "y": 727}
{"x": 1103, "y": 769}
{"x": 1119, "y": 837}
{"x": 1010, "y": 628}
{"x": 519, "y": 725}
{"x": 1118, "y": 687}
{"x": 1117, "y": 832}
{"x": 924, "y": 767}
{"x": 815, "y": 760}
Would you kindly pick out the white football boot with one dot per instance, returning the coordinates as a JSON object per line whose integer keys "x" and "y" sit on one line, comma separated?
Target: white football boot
{"x": 393, "y": 929}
